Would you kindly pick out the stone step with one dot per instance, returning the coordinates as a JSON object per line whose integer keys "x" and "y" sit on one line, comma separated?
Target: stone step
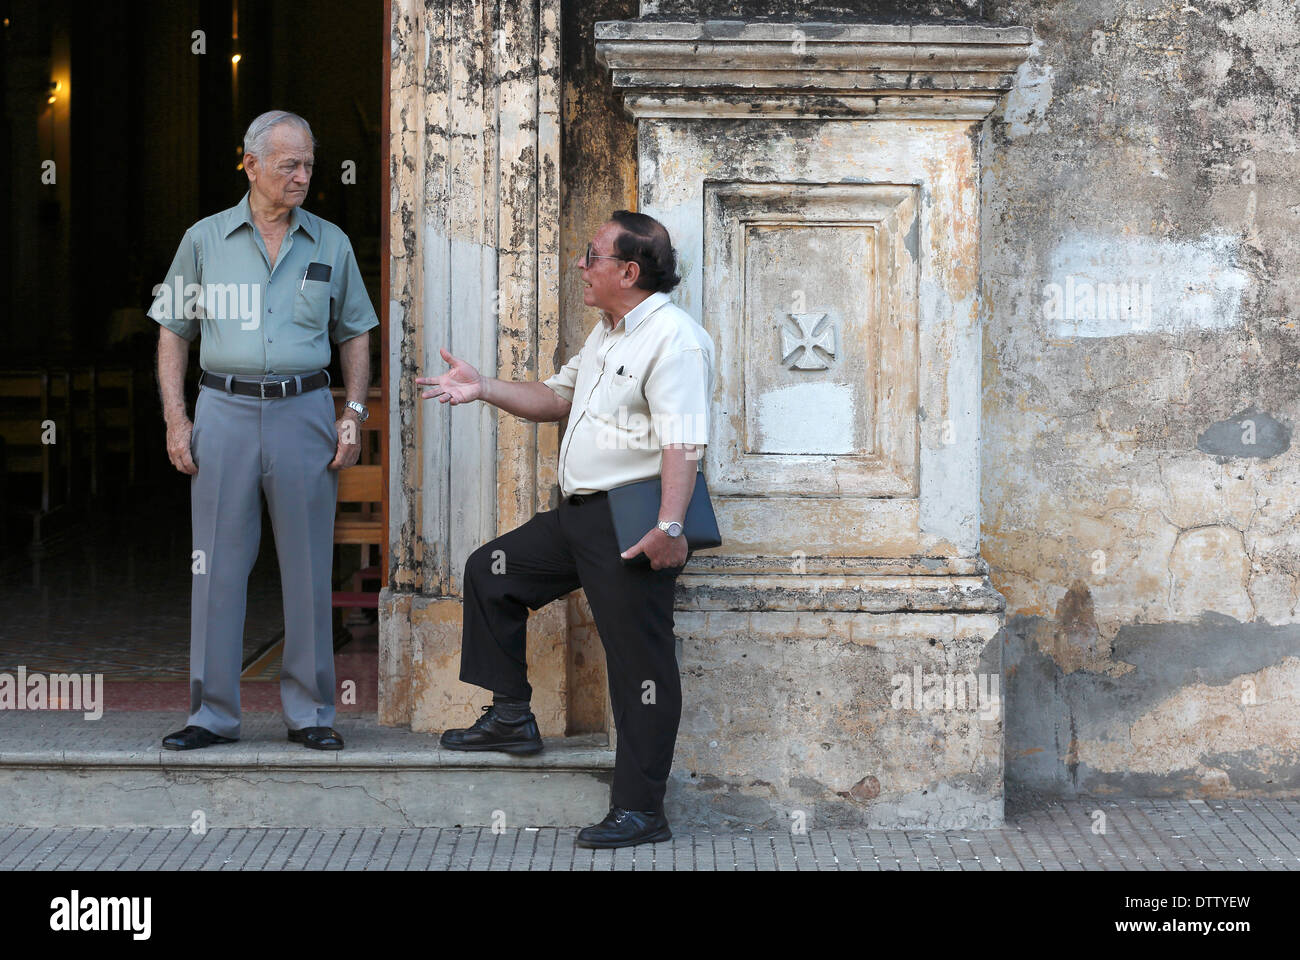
{"x": 59, "y": 769}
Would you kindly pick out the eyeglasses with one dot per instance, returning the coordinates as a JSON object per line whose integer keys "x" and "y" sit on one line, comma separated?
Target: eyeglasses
{"x": 592, "y": 256}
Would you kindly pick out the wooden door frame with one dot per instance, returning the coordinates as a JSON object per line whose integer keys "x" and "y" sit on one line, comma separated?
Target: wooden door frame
{"x": 384, "y": 276}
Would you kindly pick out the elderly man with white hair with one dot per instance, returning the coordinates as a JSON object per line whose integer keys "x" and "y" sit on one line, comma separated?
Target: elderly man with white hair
{"x": 267, "y": 286}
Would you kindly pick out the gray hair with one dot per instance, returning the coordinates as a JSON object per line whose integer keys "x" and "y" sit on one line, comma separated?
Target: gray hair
{"x": 259, "y": 130}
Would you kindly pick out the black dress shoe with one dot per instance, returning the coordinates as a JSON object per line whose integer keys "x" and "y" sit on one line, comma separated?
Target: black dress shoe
{"x": 625, "y": 828}
{"x": 318, "y": 738}
{"x": 490, "y": 732}
{"x": 191, "y": 738}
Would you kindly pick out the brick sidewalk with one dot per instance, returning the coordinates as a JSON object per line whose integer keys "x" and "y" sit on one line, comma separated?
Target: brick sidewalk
{"x": 1138, "y": 835}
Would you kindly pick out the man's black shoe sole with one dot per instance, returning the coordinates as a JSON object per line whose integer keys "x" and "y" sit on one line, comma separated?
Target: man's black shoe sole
{"x": 657, "y": 837}
{"x": 169, "y": 746}
{"x": 519, "y": 748}
{"x": 315, "y": 746}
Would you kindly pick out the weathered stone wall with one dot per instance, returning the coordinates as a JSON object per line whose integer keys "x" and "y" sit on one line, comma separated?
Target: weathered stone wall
{"x": 474, "y": 266}
{"x": 1139, "y": 489}
{"x": 1148, "y": 550}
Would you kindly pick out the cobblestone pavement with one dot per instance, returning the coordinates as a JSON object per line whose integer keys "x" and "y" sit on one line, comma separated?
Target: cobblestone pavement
{"x": 1077, "y": 835}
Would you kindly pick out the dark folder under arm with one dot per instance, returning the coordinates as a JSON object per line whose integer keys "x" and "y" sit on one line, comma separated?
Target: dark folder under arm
{"x": 634, "y": 508}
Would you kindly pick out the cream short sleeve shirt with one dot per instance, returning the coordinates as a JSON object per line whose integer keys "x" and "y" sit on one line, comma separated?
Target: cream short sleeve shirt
{"x": 635, "y": 387}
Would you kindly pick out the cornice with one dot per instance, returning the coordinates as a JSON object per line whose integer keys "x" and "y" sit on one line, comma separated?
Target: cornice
{"x": 810, "y": 71}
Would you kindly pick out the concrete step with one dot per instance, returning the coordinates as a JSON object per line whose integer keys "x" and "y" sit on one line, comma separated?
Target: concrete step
{"x": 59, "y": 769}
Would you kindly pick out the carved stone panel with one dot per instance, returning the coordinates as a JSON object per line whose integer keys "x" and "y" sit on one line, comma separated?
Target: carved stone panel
{"x": 802, "y": 394}
{"x": 813, "y": 291}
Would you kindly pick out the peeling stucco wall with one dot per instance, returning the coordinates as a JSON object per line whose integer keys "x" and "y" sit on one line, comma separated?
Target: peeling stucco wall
{"x": 1140, "y": 200}
{"x": 1140, "y": 487}
{"x": 474, "y": 266}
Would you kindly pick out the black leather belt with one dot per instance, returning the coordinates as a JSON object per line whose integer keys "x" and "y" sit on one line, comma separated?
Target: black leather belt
{"x": 578, "y": 498}
{"x": 265, "y": 389}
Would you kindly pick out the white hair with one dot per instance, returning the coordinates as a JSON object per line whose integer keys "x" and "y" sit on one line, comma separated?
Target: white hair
{"x": 259, "y": 130}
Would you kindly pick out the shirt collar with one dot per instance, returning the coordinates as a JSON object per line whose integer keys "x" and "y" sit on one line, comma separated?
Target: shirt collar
{"x": 642, "y": 310}
{"x": 241, "y": 213}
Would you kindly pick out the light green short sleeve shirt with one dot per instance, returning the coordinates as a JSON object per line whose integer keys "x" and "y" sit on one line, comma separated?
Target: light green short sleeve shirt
{"x": 255, "y": 319}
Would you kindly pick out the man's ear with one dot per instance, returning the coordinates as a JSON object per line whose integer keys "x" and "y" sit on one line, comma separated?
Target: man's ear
{"x": 631, "y": 274}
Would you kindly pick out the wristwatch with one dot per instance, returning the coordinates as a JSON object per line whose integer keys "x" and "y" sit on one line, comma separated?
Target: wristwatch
{"x": 362, "y": 413}
{"x": 670, "y": 527}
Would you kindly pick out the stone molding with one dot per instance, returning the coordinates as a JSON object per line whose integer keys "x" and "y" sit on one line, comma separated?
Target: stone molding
{"x": 738, "y": 592}
{"x": 810, "y": 70}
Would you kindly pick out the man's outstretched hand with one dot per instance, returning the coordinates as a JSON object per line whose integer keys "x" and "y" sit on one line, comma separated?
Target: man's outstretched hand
{"x": 460, "y": 384}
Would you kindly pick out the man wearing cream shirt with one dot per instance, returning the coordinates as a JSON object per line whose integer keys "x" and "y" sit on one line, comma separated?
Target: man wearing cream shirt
{"x": 637, "y": 397}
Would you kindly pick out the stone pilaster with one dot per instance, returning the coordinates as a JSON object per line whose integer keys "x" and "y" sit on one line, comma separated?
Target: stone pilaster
{"x": 474, "y": 213}
{"x": 821, "y": 183}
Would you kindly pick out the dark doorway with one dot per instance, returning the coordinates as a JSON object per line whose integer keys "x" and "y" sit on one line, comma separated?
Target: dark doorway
{"x": 122, "y": 126}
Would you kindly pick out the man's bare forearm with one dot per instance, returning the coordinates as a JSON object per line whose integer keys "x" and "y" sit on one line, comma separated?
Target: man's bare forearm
{"x": 530, "y": 399}
{"x": 354, "y": 358}
{"x": 677, "y": 480}
{"x": 173, "y": 358}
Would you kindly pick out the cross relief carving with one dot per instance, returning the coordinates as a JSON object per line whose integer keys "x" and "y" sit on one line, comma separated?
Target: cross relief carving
{"x": 811, "y": 345}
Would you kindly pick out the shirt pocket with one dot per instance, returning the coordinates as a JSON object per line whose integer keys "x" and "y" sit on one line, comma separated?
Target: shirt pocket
{"x": 311, "y": 308}
{"x": 621, "y": 390}
{"x": 620, "y": 410}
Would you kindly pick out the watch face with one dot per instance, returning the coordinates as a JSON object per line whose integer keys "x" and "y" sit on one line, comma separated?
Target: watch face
{"x": 674, "y": 529}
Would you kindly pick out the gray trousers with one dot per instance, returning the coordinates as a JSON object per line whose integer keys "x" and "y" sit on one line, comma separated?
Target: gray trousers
{"x": 245, "y": 447}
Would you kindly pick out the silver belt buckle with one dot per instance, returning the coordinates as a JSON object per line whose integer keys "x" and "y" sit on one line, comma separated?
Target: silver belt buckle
{"x": 282, "y": 384}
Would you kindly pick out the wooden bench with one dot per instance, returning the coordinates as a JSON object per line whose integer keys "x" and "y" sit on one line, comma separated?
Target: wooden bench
{"x": 93, "y": 411}
{"x": 359, "y": 517}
